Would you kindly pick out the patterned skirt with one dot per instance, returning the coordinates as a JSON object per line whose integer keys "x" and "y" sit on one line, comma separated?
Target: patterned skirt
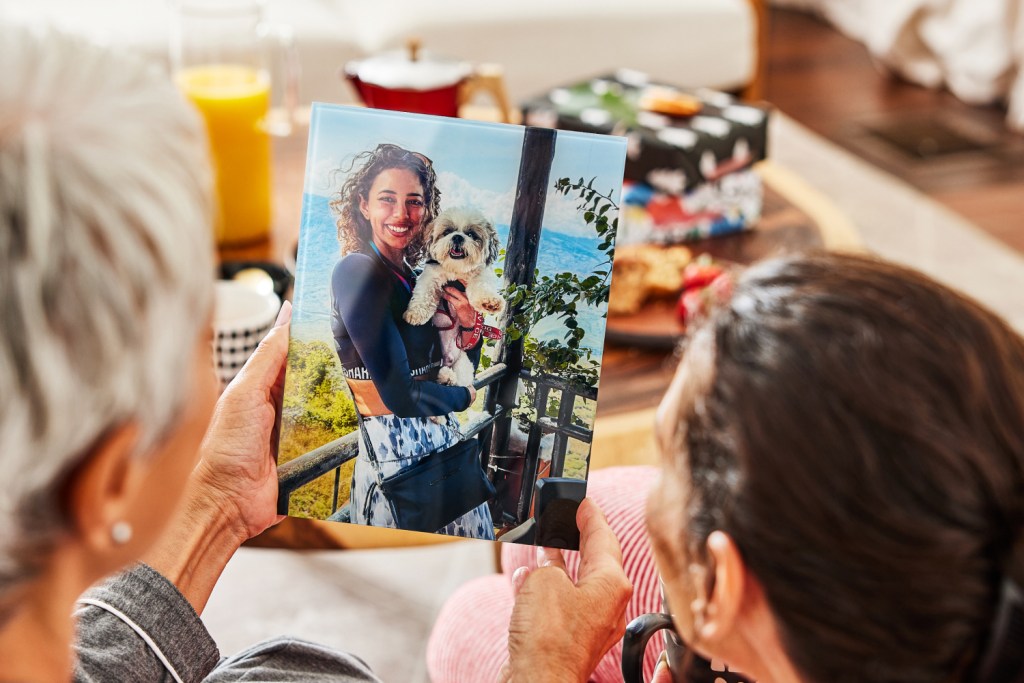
{"x": 398, "y": 443}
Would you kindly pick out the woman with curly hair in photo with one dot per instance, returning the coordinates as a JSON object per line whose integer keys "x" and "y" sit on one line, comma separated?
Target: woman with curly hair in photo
{"x": 389, "y": 365}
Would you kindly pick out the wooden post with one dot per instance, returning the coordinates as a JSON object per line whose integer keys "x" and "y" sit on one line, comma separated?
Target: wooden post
{"x": 565, "y": 407}
{"x": 532, "y": 463}
{"x": 520, "y": 262}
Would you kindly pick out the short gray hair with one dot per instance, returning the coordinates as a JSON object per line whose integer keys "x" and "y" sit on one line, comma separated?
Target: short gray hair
{"x": 105, "y": 268}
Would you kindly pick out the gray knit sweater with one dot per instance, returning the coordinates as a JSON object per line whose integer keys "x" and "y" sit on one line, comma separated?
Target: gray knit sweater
{"x": 138, "y": 627}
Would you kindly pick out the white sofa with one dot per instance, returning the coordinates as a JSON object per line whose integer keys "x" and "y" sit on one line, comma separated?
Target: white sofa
{"x": 541, "y": 43}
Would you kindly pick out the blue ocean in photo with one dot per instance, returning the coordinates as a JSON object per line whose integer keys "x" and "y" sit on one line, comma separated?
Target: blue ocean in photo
{"x": 318, "y": 254}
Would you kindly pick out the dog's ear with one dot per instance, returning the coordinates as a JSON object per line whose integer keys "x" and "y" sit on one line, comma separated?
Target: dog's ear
{"x": 493, "y": 248}
{"x": 428, "y": 232}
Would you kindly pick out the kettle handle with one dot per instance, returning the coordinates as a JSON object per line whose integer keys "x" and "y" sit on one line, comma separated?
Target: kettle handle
{"x": 488, "y": 78}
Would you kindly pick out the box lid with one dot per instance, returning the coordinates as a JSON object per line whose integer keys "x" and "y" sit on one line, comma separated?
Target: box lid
{"x": 671, "y": 152}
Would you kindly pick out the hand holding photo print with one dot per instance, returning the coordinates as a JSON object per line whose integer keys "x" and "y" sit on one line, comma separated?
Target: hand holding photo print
{"x": 450, "y": 301}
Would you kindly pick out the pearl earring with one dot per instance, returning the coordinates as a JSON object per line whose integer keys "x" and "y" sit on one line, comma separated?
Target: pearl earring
{"x": 121, "y": 532}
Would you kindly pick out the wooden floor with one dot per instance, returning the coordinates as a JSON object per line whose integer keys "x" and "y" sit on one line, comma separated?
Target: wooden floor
{"x": 960, "y": 155}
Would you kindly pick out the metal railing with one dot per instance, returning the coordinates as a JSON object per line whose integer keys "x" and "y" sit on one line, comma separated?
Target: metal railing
{"x": 561, "y": 426}
{"x": 311, "y": 466}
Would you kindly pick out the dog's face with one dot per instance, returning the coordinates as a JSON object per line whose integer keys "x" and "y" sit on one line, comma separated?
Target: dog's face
{"x": 462, "y": 240}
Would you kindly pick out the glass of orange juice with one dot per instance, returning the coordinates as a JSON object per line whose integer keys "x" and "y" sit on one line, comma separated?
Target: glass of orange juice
{"x": 241, "y": 73}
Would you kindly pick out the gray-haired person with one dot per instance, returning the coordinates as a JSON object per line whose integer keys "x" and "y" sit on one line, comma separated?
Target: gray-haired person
{"x": 107, "y": 385}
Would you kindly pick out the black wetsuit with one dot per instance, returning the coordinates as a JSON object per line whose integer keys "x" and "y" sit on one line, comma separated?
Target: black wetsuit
{"x": 375, "y": 345}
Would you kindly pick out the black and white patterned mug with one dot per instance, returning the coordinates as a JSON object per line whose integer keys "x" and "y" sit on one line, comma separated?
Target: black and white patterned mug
{"x": 242, "y": 317}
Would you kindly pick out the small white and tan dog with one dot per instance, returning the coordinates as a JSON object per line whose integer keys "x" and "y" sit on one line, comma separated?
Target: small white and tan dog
{"x": 462, "y": 246}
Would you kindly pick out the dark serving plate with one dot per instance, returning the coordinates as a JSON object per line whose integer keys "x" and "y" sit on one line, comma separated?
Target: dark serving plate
{"x": 279, "y": 274}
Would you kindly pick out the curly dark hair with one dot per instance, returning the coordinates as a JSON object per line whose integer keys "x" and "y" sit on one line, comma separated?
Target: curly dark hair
{"x": 354, "y": 231}
{"x": 860, "y": 435}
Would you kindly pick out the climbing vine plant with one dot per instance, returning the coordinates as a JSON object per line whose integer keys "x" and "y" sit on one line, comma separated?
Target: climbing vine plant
{"x": 564, "y": 296}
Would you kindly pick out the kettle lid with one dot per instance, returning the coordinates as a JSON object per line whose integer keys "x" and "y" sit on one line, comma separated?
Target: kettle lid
{"x": 410, "y": 69}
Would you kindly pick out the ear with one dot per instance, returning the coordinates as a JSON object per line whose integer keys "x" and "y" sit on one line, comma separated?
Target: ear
{"x": 728, "y": 591}
{"x": 364, "y": 207}
{"x": 493, "y": 249}
{"x": 104, "y": 487}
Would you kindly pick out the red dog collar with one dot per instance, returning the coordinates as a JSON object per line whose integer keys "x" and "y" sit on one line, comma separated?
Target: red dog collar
{"x": 479, "y": 329}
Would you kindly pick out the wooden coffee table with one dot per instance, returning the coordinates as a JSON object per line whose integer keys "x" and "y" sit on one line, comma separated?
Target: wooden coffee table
{"x": 795, "y": 217}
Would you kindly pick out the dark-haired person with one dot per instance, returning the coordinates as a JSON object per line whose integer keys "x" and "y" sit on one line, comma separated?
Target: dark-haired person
{"x": 390, "y": 366}
{"x": 846, "y": 438}
{"x": 841, "y": 494}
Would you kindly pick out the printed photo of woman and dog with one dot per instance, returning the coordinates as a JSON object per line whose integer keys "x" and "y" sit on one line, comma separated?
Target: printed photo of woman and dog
{"x": 451, "y": 291}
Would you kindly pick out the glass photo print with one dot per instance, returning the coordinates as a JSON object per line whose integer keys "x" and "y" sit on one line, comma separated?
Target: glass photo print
{"x": 449, "y": 315}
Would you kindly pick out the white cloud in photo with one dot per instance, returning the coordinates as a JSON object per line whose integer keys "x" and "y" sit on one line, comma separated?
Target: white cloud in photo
{"x": 324, "y": 178}
{"x": 457, "y": 191}
{"x": 560, "y": 213}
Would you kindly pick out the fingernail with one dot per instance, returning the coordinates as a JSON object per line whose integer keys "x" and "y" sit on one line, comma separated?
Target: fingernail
{"x": 284, "y": 315}
{"x": 519, "y": 578}
{"x": 662, "y": 665}
{"x": 584, "y": 510}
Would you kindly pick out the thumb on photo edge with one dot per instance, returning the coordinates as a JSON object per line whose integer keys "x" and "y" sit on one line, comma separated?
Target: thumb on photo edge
{"x": 284, "y": 316}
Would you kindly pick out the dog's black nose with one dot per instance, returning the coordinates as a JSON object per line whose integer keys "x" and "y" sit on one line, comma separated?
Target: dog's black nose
{"x": 457, "y": 240}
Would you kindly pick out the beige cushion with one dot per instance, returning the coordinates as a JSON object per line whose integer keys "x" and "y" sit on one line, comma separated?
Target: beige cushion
{"x": 544, "y": 43}
{"x": 541, "y": 43}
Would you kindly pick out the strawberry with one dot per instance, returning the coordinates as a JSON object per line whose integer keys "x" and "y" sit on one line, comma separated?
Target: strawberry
{"x": 696, "y": 302}
{"x": 700, "y": 272}
{"x": 691, "y": 305}
{"x": 720, "y": 288}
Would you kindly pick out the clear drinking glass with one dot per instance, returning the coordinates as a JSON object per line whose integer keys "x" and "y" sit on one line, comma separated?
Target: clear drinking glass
{"x": 242, "y": 75}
